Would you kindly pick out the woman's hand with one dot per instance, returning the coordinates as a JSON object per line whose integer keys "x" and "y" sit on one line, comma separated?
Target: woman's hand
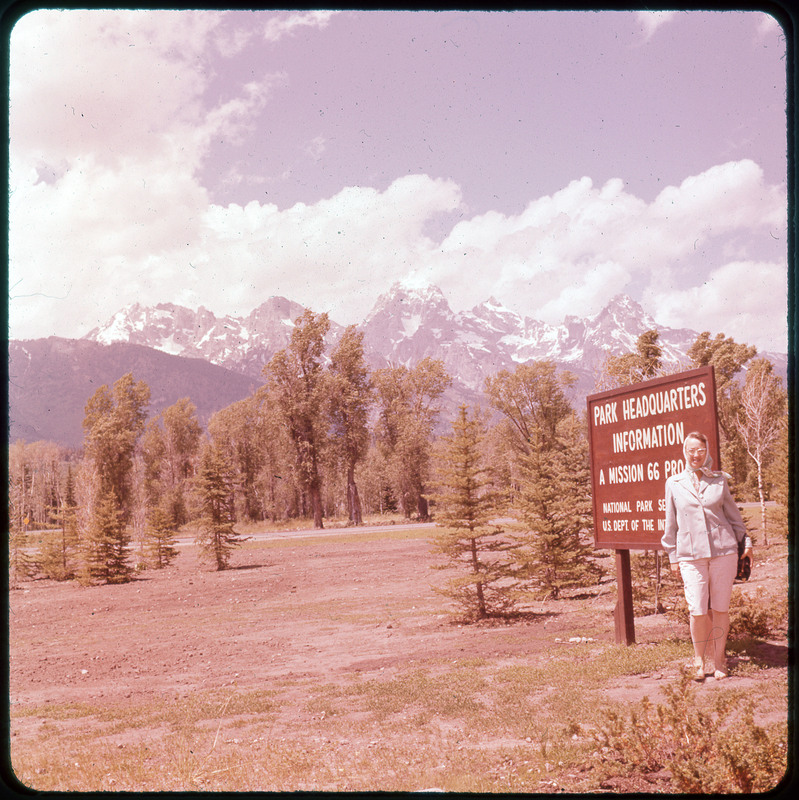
{"x": 674, "y": 566}
{"x": 748, "y": 554}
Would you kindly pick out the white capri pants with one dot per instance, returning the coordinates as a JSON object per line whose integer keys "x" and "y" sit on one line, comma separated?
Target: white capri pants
{"x": 709, "y": 580}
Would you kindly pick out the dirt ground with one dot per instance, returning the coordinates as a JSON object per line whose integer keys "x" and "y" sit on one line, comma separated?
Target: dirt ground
{"x": 317, "y": 609}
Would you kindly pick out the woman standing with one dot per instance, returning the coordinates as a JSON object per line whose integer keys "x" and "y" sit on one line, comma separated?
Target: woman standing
{"x": 703, "y": 528}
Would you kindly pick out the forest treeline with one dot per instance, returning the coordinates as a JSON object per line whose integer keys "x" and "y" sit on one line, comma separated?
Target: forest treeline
{"x": 326, "y": 437}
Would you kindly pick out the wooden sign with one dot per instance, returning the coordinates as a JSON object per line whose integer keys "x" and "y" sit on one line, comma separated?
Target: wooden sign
{"x": 636, "y": 435}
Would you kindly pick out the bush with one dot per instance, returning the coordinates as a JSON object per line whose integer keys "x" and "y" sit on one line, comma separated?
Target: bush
{"x": 706, "y": 749}
{"x": 752, "y": 616}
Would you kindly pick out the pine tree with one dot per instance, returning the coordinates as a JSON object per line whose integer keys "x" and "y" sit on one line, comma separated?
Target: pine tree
{"x": 106, "y": 545}
{"x": 21, "y": 564}
{"x": 642, "y": 365}
{"x": 160, "y": 545}
{"x": 59, "y": 548}
{"x": 554, "y": 507}
{"x": 466, "y": 503}
{"x": 216, "y": 535}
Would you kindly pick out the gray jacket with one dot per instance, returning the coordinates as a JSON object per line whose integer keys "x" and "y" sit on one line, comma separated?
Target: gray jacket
{"x": 702, "y": 524}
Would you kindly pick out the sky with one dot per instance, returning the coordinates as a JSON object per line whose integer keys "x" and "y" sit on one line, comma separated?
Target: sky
{"x": 549, "y": 160}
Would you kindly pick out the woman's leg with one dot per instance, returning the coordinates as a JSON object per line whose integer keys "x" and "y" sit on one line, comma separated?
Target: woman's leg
{"x": 700, "y": 635}
{"x": 722, "y": 577}
{"x": 720, "y": 627}
{"x": 696, "y": 583}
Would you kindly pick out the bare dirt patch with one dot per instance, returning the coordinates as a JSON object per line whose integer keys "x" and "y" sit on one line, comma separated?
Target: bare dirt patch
{"x": 284, "y": 618}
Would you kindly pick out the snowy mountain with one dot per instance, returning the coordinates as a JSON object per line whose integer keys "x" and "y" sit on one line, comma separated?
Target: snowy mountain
{"x": 217, "y": 360}
{"x": 406, "y": 324}
{"x": 240, "y": 344}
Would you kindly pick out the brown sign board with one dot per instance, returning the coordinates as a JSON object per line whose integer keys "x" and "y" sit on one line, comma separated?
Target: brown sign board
{"x": 636, "y": 435}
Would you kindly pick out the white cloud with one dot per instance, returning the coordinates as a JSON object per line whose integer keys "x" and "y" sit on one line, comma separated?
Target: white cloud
{"x": 107, "y": 136}
{"x": 107, "y": 207}
{"x": 285, "y": 24}
{"x": 650, "y": 21}
{"x": 335, "y": 255}
{"x": 743, "y": 299}
{"x": 120, "y": 85}
{"x": 547, "y": 257}
{"x": 118, "y": 236}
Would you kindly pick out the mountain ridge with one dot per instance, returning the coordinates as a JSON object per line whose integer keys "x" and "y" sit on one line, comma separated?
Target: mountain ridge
{"x": 217, "y": 360}
{"x": 413, "y": 320}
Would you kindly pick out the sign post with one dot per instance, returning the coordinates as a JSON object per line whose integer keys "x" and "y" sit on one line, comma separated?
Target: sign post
{"x": 635, "y": 436}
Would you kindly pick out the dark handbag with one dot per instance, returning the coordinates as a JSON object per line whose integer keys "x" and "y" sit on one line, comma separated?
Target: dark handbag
{"x": 744, "y": 564}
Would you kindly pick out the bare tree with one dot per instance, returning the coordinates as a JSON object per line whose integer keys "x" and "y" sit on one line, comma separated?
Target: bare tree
{"x": 760, "y": 418}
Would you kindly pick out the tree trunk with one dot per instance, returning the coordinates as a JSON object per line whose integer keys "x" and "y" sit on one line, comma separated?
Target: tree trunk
{"x": 316, "y": 503}
{"x": 353, "y": 498}
{"x": 423, "y": 508}
{"x": 762, "y": 497}
{"x": 481, "y": 602}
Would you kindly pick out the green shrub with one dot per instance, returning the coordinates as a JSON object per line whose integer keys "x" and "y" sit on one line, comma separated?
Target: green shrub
{"x": 707, "y": 749}
{"x": 751, "y": 615}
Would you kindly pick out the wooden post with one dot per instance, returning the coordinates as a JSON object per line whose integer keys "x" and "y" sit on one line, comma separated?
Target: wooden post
{"x": 625, "y": 620}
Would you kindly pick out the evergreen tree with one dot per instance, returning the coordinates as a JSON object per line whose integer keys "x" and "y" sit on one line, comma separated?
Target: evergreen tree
{"x": 60, "y": 547}
{"x": 216, "y": 535}
{"x": 554, "y": 507}
{"x": 20, "y": 562}
{"x": 642, "y": 365}
{"x": 466, "y": 503}
{"x": 106, "y": 545}
{"x": 161, "y": 535}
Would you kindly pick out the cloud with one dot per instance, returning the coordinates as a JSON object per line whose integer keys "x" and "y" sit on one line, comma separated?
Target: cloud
{"x": 555, "y": 251}
{"x": 153, "y": 237}
{"x": 743, "y": 299}
{"x": 287, "y": 23}
{"x": 123, "y": 83}
{"x": 109, "y": 137}
{"x": 332, "y": 255}
{"x": 650, "y": 21}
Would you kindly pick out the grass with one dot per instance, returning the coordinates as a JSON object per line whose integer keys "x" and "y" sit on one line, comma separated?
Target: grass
{"x": 472, "y": 724}
{"x": 353, "y": 536}
{"x": 469, "y": 725}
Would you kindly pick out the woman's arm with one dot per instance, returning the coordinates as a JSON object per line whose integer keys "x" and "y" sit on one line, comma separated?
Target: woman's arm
{"x": 669, "y": 538}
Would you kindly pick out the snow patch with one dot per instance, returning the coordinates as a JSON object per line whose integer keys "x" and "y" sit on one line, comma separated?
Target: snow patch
{"x": 411, "y": 324}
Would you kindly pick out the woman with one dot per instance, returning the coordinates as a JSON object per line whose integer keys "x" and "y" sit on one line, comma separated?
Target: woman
{"x": 703, "y": 528}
